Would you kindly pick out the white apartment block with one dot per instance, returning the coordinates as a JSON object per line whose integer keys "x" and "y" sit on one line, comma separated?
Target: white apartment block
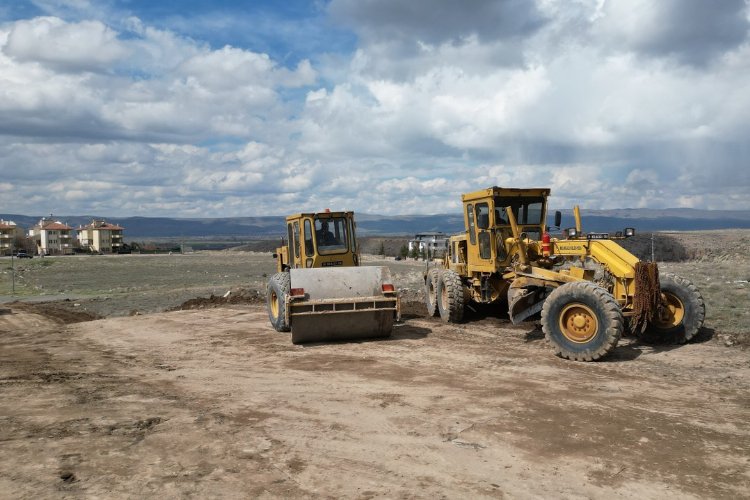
{"x": 101, "y": 236}
{"x": 52, "y": 237}
{"x": 10, "y": 235}
{"x": 432, "y": 244}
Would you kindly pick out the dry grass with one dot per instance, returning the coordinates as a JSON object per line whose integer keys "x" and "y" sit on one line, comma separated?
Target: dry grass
{"x": 120, "y": 284}
{"x": 725, "y": 288}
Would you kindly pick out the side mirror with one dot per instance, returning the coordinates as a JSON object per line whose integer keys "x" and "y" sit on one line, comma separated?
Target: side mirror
{"x": 629, "y": 231}
{"x": 558, "y": 218}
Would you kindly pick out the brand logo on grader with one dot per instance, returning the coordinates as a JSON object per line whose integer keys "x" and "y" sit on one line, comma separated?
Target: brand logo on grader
{"x": 569, "y": 248}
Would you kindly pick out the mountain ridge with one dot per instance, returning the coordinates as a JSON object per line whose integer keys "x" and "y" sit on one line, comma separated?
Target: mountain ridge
{"x": 139, "y": 227}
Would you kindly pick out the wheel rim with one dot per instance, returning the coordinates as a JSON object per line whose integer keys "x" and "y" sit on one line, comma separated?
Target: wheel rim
{"x": 578, "y": 323}
{"x": 672, "y": 312}
{"x": 274, "y": 304}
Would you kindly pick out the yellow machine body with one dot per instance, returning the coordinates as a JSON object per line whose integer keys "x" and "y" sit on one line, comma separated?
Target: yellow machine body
{"x": 320, "y": 292}
{"x": 501, "y": 248}
{"x": 586, "y": 287}
{"x": 304, "y": 248}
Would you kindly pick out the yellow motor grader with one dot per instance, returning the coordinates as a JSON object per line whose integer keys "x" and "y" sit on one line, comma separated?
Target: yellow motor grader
{"x": 587, "y": 287}
{"x": 320, "y": 292}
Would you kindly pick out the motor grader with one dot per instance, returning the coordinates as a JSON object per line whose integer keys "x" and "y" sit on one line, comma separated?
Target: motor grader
{"x": 587, "y": 287}
{"x": 320, "y": 292}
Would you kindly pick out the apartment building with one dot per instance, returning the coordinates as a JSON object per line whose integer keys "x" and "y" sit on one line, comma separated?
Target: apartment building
{"x": 10, "y": 237}
{"x": 429, "y": 244}
{"x": 52, "y": 237}
{"x": 101, "y": 236}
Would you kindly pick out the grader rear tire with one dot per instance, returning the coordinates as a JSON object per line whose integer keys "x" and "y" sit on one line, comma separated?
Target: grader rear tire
{"x": 582, "y": 321}
{"x": 683, "y": 317}
{"x": 430, "y": 291}
{"x": 450, "y": 296}
{"x": 276, "y": 292}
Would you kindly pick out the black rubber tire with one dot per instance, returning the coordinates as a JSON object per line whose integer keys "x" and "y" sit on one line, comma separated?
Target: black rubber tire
{"x": 450, "y": 296}
{"x": 609, "y": 320}
{"x": 278, "y": 287}
{"x": 694, "y": 312}
{"x": 430, "y": 292}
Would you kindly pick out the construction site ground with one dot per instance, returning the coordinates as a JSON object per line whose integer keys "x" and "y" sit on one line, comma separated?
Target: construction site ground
{"x": 207, "y": 400}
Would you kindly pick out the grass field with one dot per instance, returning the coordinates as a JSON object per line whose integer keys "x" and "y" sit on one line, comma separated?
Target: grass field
{"x": 120, "y": 284}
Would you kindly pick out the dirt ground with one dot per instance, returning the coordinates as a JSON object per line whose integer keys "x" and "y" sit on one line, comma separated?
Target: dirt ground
{"x": 102, "y": 397}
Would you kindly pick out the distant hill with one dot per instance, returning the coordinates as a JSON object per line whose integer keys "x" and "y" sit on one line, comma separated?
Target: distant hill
{"x": 137, "y": 228}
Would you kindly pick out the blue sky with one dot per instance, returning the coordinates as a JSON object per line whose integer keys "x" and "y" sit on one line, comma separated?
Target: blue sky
{"x": 188, "y": 108}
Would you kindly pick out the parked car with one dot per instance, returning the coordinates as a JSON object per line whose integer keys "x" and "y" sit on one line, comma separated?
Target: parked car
{"x": 23, "y": 255}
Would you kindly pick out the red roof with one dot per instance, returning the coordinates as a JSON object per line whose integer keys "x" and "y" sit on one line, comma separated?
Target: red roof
{"x": 6, "y": 225}
{"x": 105, "y": 225}
{"x": 55, "y": 226}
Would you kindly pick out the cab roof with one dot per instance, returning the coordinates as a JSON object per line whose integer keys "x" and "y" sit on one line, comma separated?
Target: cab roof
{"x": 322, "y": 215}
{"x": 508, "y": 192}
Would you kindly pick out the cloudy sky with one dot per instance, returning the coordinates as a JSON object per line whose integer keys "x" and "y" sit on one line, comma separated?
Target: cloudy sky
{"x": 237, "y": 108}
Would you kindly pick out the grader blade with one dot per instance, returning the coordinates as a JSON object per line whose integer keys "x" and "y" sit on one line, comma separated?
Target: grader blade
{"x": 329, "y": 304}
{"x": 524, "y": 302}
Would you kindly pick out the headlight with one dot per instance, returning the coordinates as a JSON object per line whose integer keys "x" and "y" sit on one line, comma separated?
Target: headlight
{"x": 629, "y": 231}
{"x": 571, "y": 232}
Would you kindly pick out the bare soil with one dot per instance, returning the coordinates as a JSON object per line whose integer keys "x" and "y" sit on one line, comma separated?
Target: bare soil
{"x": 118, "y": 397}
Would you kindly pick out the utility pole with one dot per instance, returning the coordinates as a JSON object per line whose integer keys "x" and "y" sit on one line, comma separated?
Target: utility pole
{"x": 12, "y": 267}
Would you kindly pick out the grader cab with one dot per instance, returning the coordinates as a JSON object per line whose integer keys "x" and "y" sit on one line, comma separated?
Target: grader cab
{"x": 320, "y": 292}
{"x": 587, "y": 287}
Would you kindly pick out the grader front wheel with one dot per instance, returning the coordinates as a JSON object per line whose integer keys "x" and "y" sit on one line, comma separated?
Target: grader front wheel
{"x": 582, "y": 321}
{"x": 682, "y": 314}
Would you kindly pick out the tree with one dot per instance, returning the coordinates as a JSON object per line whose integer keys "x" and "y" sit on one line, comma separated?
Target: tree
{"x": 404, "y": 252}
{"x": 414, "y": 251}
{"x": 381, "y": 250}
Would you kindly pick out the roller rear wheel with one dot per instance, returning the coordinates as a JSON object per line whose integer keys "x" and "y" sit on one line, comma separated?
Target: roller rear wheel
{"x": 276, "y": 293}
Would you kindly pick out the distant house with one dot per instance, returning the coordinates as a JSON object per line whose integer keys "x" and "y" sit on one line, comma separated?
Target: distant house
{"x": 52, "y": 237}
{"x": 432, "y": 244}
{"x": 101, "y": 236}
{"x": 10, "y": 233}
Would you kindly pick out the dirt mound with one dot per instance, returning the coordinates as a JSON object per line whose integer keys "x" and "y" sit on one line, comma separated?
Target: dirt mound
{"x": 240, "y": 296}
{"x": 63, "y": 312}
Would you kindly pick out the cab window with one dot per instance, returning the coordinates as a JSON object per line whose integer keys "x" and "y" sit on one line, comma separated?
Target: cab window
{"x": 353, "y": 235}
{"x": 308, "y": 239}
{"x": 485, "y": 252}
{"x": 297, "y": 242}
{"x": 527, "y": 210}
{"x": 331, "y": 235}
{"x": 292, "y": 243}
{"x": 472, "y": 230}
{"x": 483, "y": 216}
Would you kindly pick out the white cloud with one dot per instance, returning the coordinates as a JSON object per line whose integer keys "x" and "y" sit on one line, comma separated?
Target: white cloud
{"x": 87, "y": 45}
{"x": 84, "y": 81}
{"x": 607, "y": 105}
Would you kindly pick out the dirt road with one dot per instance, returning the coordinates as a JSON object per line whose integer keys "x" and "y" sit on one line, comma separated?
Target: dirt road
{"x": 214, "y": 403}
